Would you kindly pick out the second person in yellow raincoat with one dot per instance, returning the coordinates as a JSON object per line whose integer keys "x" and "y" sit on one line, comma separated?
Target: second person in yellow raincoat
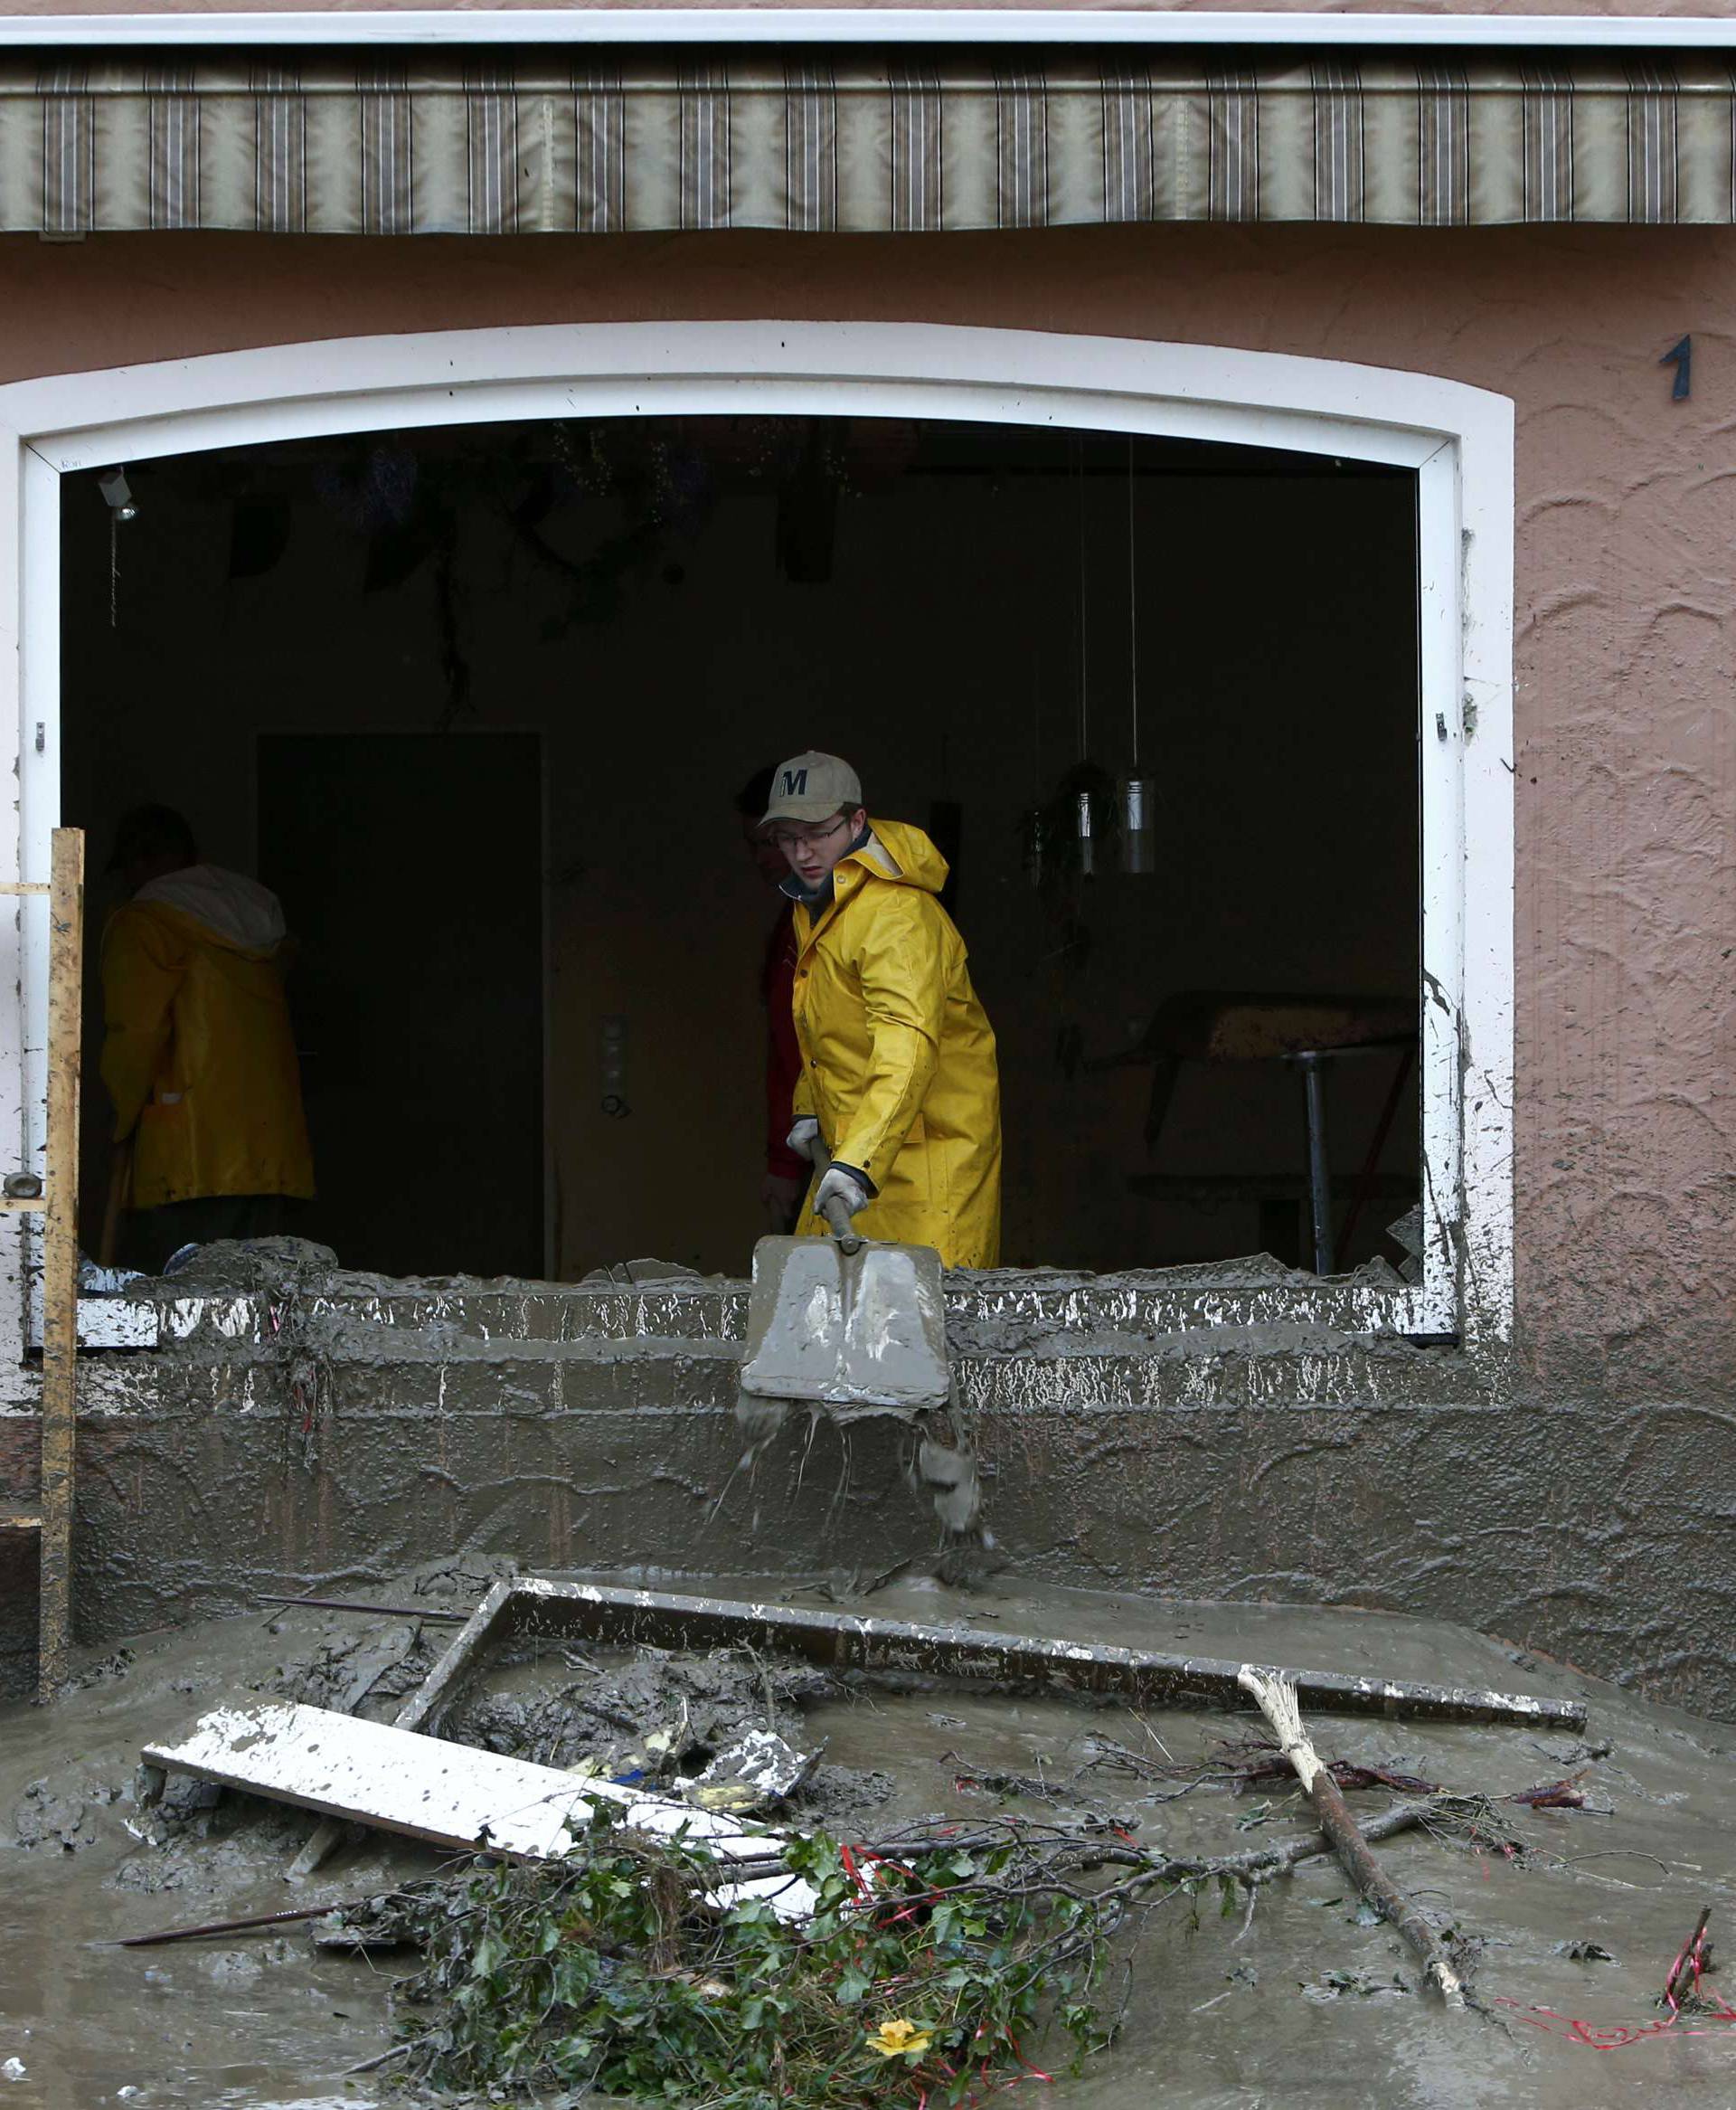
{"x": 198, "y": 1055}
{"x": 899, "y": 1078}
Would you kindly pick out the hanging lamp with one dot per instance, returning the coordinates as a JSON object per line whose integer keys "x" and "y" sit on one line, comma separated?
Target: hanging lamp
{"x": 1138, "y": 855}
{"x": 1084, "y": 833}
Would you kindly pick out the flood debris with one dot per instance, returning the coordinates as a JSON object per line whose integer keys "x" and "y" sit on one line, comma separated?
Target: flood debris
{"x": 656, "y": 1714}
{"x": 1555, "y": 1794}
{"x": 431, "y": 1612}
{"x": 845, "y": 1641}
{"x": 379, "y": 1665}
{"x": 425, "y": 1693}
{"x": 447, "y": 1794}
{"x": 1275, "y": 1695}
{"x": 190, "y": 1836}
{"x": 282, "y": 1267}
{"x": 1681, "y": 1993}
{"x": 1251, "y": 1762}
{"x": 209, "y": 1928}
{"x": 636, "y": 1275}
{"x": 756, "y": 1773}
{"x": 665, "y": 1757}
{"x": 55, "y": 1818}
{"x": 951, "y": 1949}
{"x": 929, "y": 1974}
{"x": 1549, "y": 1917}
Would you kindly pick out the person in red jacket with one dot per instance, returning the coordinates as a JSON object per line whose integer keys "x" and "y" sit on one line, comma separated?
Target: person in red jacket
{"x": 786, "y": 1177}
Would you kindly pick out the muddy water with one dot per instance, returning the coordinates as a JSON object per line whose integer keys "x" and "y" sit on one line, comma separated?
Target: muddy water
{"x": 1299, "y": 2007}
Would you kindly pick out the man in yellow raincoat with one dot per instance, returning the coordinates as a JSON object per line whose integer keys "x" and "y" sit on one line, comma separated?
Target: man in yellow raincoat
{"x": 899, "y": 1078}
{"x": 197, "y": 1054}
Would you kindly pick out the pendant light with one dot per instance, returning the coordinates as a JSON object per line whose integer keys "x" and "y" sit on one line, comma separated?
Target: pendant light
{"x": 1084, "y": 834}
{"x": 1138, "y": 850}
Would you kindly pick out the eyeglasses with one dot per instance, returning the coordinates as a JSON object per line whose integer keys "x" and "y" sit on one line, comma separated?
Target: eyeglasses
{"x": 788, "y": 839}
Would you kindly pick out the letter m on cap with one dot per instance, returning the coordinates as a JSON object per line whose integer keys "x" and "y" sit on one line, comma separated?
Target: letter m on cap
{"x": 795, "y": 783}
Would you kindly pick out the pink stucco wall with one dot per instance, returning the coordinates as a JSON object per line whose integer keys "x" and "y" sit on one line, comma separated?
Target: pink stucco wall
{"x": 1626, "y": 610}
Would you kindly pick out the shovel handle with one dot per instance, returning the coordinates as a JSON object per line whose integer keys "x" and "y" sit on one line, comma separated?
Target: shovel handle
{"x": 837, "y": 1217}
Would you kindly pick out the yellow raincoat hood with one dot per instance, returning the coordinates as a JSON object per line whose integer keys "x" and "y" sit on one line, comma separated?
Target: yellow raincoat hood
{"x": 898, "y": 1057}
{"x": 197, "y": 1054}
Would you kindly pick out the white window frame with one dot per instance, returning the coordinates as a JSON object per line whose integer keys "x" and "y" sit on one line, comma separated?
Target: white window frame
{"x": 1458, "y": 439}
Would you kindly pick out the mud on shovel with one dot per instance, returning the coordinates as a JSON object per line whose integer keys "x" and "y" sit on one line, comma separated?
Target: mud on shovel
{"x": 854, "y": 1327}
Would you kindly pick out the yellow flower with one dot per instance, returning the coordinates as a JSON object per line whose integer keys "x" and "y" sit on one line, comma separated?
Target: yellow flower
{"x": 901, "y": 2039}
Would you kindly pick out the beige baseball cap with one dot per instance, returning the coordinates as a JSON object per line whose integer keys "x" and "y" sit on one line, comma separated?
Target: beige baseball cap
{"x": 812, "y": 787}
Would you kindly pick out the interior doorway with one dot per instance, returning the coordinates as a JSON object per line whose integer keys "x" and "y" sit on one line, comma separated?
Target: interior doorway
{"x": 414, "y": 865}
{"x": 989, "y": 621}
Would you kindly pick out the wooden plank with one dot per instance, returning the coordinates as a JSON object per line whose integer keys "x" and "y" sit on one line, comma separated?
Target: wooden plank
{"x": 847, "y": 1641}
{"x": 20, "y": 1521}
{"x": 415, "y": 1710}
{"x": 60, "y": 1258}
{"x": 445, "y": 1793}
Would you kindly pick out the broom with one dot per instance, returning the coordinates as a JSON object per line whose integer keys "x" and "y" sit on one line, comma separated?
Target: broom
{"x": 1275, "y": 1696}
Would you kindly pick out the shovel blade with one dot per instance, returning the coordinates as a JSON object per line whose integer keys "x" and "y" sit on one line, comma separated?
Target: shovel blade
{"x": 859, "y": 1333}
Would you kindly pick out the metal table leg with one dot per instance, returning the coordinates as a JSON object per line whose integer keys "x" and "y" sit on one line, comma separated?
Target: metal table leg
{"x": 1313, "y": 1087}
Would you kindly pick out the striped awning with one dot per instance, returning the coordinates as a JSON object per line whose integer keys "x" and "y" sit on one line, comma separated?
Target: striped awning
{"x": 531, "y": 140}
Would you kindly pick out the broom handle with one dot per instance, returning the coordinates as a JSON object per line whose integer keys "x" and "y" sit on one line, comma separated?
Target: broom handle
{"x": 120, "y": 1181}
{"x": 836, "y": 1215}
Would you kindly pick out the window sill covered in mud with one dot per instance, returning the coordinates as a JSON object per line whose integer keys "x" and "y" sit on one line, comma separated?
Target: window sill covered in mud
{"x": 243, "y": 1294}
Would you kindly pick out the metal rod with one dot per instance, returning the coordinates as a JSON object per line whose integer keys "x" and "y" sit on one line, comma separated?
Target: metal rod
{"x": 1314, "y": 1091}
{"x": 355, "y": 1604}
{"x": 61, "y": 1259}
{"x": 236, "y": 1926}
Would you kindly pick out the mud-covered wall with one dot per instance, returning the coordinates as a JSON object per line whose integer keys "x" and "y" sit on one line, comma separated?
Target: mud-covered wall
{"x": 1231, "y": 1434}
{"x": 1586, "y": 1499}
{"x": 1627, "y": 879}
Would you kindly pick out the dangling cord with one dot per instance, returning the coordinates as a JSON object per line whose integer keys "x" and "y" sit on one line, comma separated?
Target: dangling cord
{"x": 1133, "y": 617}
{"x": 1084, "y": 611}
{"x": 114, "y": 568}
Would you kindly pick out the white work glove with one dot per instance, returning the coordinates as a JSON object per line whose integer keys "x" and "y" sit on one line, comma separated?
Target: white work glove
{"x": 843, "y": 1186}
{"x": 805, "y": 1132}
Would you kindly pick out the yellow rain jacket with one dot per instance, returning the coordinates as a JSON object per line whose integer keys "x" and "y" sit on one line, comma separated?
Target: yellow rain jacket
{"x": 898, "y": 1058}
{"x": 197, "y": 1055}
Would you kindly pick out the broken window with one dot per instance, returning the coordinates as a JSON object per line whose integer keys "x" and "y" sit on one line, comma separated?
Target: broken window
{"x": 475, "y": 702}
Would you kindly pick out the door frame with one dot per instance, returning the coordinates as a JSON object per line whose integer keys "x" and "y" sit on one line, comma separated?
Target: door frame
{"x": 292, "y": 729}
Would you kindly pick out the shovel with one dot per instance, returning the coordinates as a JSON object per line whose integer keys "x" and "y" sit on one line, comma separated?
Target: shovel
{"x": 844, "y": 1322}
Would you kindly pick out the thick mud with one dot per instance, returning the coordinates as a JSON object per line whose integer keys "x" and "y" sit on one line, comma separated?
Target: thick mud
{"x": 1305, "y": 2002}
